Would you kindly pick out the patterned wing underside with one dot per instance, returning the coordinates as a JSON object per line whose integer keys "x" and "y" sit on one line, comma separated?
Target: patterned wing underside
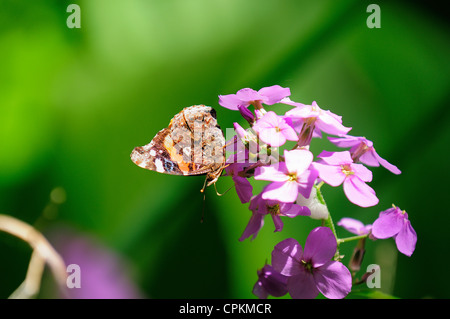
{"x": 193, "y": 144}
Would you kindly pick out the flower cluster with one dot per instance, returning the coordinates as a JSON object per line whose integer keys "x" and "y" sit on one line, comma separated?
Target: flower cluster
{"x": 294, "y": 178}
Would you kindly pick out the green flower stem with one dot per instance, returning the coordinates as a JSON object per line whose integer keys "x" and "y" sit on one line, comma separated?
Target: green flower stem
{"x": 330, "y": 224}
{"x": 344, "y": 240}
{"x": 329, "y": 221}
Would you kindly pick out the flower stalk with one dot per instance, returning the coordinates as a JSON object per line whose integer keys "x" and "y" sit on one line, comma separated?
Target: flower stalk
{"x": 352, "y": 238}
{"x": 329, "y": 221}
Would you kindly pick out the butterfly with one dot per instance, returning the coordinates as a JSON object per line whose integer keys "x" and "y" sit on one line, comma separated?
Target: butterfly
{"x": 192, "y": 144}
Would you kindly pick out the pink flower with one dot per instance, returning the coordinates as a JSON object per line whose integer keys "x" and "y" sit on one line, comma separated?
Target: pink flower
{"x": 312, "y": 270}
{"x": 354, "y": 226}
{"x": 261, "y": 207}
{"x": 394, "y": 222}
{"x": 362, "y": 150}
{"x": 338, "y": 168}
{"x": 274, "y": 130}
{"x": 288, "y": 178}
{"x": 244, "y": 97}
{"x": 313, "y": 116}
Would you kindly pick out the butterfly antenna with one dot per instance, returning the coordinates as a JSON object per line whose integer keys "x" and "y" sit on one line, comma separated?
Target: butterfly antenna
{"x": 204, "y": 204}
{"x": 204, "y": 186}
{"x": 218, "y": 194}
{"x": 230, "y": 142}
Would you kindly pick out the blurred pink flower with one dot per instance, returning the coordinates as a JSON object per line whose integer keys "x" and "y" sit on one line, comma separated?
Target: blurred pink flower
{"x": 103, "y": 273}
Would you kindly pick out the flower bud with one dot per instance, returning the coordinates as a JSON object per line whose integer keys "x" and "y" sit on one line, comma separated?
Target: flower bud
{"x": 306, "y": 134}
{"x": 357, "y": 256}
{"x": 247, "y": 114}
{"x": 318, "y": 210}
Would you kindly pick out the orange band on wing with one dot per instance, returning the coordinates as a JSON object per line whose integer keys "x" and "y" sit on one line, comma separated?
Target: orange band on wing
{"x": 174, "y": 156}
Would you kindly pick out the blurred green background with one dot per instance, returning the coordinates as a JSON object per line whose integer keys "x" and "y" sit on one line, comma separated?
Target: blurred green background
{"x": 75, "y": 102}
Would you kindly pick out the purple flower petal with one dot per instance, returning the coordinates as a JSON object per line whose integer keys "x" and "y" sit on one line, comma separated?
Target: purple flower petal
{"x": 354, "y": 226}
{"x": 286, "y": 256}
{"x": 254, "y": 225}
{"x": 293, "y": 210}
{"x": 335, "y": 116}
{"x": 288, "y": 101}
{"x": 272, "y": 137}
{"x": 273, "y": 130}
{"x": 336, "y": 158}
{"x": 330, "y": 174}
{"x": 320, "y": 246}
{"x": 278, "y": 223}
{"x": 386, "y": 164}
{"x": 298, "y": 161}
{"x": 230, "y": 101}
{"x": 269, "y": 120}
{"x": 240, "y": 131}
{"x": 358, "y": 192}
{"x": 369, "y": 159}
{"x": 270, "y": 282}
{"x": 244, "y": 188}
{"x": 369, "y": 156}
{"x": 324, "y": 120}
{"x": 286, "y": 192}
{"x": 302, "y": 286}
{"x": 329, "y": 122}
{"x": 274, "y": 173}
{"x": 330, "y": 125}
{"x": 406, "y": 239}
{"x": 288, "y": 132}
{"x": 248, "y": 95}
{"x": 256, "y": 203}
{"x": 245, "y": 97}
{"x": 333, "y": 280}
{"x": 302, "y": 111}
{"x": 274, "y": 93}
{"x": 240, "y": 153}
{"x": 287, "y": 123}
{"x": 388, "y": 224}
{"x": 317, "y": 133}
{"x": 306, "y": 181}
{"x": 259, "y": 291}
{"x": 345, "y": 141}
{"x": 362, "y": 172}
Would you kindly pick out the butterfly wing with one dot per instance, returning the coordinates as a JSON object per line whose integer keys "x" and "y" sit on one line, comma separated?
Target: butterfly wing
{"x": 192, "y": 144}
{"x": 154, "y": 156}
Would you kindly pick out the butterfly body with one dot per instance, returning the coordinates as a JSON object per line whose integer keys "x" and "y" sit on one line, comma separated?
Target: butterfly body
{"x": 192, "y": 144}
